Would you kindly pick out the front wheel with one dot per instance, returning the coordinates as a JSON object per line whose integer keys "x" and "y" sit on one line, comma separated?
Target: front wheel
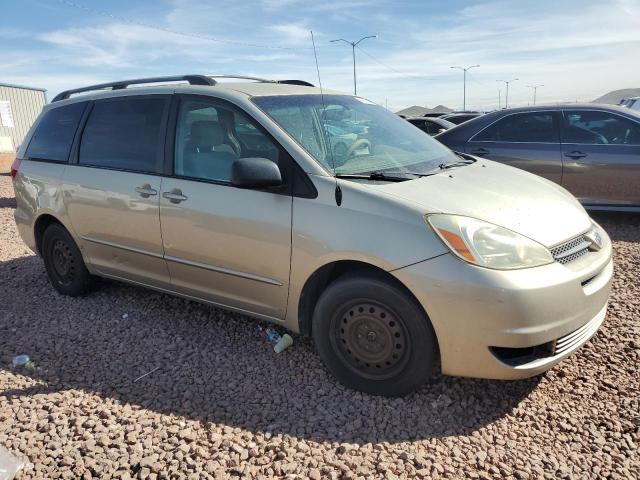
{"x": 374, "y": 337}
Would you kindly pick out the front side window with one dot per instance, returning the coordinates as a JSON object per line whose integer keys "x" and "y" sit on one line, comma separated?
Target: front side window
{"x": 532, "y": 127}
{"x": 124, "y": 134}
{"x": 211, "y": 136}
{"x": 599, "y": 128}
{"x": 54, "y": 134}
{"x": 350, "y": 135}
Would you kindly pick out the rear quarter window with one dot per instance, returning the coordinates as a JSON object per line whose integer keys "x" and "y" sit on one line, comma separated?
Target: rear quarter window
{"x": 54, "y": 134}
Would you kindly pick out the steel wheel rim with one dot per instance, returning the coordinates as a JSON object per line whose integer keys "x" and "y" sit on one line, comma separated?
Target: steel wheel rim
{"x": 371, "y": 339}
{"x": 62, "y": 261}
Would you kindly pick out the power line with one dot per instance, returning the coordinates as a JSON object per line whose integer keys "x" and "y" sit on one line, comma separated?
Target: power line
{"x": 106, "y": 14}
{"x": 390, "y": 67}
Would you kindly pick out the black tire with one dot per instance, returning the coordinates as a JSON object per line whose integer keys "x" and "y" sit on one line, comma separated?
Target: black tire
{"x": 374, "y": 337}
{"x": 63, "y": 262}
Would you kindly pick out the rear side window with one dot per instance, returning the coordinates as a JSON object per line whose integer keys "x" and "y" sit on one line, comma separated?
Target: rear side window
{"x": 599, "y": 128}
{"x": 124, "y": 134}
{"x": 54, "y": 134}
{"x": 521, "y": 127}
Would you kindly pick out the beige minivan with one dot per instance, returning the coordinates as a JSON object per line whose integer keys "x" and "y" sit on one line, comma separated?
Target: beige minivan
{"x": 318, "y": 211}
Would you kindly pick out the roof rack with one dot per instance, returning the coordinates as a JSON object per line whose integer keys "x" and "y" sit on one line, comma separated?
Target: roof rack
{"x": 302, "y": 83}
{"x": 192, "y": 79}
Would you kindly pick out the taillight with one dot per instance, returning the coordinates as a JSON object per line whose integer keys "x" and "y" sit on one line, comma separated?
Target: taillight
{"x": 14, "y": 168}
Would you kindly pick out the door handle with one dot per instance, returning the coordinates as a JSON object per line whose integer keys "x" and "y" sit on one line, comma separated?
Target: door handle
{"x": 575, "y": 154}
{"x": 175, "y": 196}
{"x": 480, "y": 151}
{"x": 146, "y": 191}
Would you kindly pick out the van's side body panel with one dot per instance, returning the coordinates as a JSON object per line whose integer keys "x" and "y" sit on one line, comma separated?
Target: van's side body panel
{"x": 117, "y": 228}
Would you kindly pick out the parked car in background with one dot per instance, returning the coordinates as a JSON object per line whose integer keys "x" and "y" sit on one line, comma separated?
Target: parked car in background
{"x": 459, "y": 118}
{"x": 632, "y": 103}
{"x": 432, "y": 126}
{"x": 592, "y": 150}
{"x": 398, "y": 259}
{"x": 434, "y": 114}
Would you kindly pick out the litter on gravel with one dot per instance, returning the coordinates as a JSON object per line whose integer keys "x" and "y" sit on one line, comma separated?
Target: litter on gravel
{"x": 9, "y": 464}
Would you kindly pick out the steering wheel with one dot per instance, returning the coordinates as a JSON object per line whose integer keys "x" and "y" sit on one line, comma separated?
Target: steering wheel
{"x": 360, "y": 143}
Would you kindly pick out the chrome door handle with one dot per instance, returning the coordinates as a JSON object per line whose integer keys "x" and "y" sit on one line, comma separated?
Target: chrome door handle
{"x": 146, "y": 191}
{"x": 175, "y": 196}
{"x": 575, "y": 154}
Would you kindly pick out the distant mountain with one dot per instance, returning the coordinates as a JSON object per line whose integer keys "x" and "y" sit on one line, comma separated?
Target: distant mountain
{"x": 615, "y": 96}
{"x": 441, "y": 109}
{"x": 415, "y": 111}
{"x": 418, "y": 111}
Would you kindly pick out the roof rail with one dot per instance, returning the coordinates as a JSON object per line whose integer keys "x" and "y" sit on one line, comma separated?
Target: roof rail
{"x": 302, "y": 83}
{"x": 257, "y": 79}
{"x": 192, "y": 79}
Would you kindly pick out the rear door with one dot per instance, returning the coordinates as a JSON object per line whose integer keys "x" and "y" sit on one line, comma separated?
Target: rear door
{"x": 112, "y": 188}
{"x": 602, "y": 157}
{"x": 227, "y": 245}
{"x": 527, "y": 140}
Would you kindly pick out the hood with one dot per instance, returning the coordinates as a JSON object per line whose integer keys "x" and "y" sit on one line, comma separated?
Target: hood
{"x": 503, "y": 195}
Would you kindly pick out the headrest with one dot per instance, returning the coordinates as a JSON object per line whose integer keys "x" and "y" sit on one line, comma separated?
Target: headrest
{"x": 206, "y": 132}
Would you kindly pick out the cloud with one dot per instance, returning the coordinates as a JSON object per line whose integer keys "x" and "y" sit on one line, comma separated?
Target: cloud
{"x": 292, "y": 32}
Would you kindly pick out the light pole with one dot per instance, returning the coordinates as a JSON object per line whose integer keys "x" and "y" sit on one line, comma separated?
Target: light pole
{"x": 464, "y": 84}
{"x": 506, "y": 94}
{"x": 499, "y": 99}
{"x": 353, "y": 50}
{"x": 535, "y": 91}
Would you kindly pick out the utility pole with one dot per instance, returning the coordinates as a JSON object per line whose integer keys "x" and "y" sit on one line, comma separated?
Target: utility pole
{"x": 535, "y": 91}
{"x": 506, "y": 96}
{"x": 464, "y": 84}
{"x": 353, "y": 50}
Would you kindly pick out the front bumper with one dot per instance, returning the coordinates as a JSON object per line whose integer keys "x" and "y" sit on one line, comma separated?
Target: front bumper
{"x": 511, "y": 324}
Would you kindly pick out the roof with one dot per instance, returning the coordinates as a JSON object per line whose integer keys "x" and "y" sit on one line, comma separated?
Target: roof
{"x": 566, "y": 106}
{"x": 22, "y": 87}
{"x": 197, "y": 83}
{"x": 257, "y": 89}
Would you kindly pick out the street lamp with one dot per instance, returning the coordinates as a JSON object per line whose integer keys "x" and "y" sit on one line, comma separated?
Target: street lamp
{"x": 353, "y": 49}
{"x": 506, "y": 95}
{"x": 535, "y": 91}
{"x": 464, "y": 84}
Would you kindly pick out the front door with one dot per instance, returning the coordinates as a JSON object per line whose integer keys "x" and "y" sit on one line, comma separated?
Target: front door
{"x": 528, "y": 140}
{"x": 112, "y": 188}
{"x": 601, "y": 157}
{"x": 224, "y": 244}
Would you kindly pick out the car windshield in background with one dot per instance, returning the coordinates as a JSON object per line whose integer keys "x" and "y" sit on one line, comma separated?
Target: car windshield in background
{"x": 353, "y": 136}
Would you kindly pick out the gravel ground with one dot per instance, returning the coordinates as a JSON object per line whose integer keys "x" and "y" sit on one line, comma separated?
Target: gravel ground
{"x": 222, "y": 404}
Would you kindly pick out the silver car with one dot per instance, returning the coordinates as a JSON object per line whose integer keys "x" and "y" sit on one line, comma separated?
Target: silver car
{"x": 398, "y": 258}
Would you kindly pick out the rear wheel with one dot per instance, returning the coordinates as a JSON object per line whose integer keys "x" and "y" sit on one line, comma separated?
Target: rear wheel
{"x": 374, "y": 337}
{"x": 63, "y": 262}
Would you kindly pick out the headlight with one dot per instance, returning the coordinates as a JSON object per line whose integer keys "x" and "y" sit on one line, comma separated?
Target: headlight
{"x": 488, "y": 245}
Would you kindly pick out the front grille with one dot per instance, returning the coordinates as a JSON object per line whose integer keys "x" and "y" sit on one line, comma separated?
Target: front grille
{"x": 571, "y": 250}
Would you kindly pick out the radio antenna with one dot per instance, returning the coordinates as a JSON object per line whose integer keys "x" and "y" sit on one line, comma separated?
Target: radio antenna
{"x": 324, "y": 107}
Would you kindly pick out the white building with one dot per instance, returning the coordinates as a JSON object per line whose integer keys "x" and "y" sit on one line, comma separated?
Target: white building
{"x": 19, "y": 107}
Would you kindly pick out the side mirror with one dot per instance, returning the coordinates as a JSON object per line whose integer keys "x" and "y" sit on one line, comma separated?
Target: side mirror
{"x": 255, "y": 173}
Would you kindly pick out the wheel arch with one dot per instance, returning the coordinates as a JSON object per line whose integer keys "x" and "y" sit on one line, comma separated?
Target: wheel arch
{"x": 40, "y": 225}
{"x": 321, "y": 278}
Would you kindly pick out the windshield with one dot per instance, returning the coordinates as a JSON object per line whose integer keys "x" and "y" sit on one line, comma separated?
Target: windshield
{"x": 350, "y": 135}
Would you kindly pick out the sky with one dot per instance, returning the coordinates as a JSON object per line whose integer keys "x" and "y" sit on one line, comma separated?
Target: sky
{"x": 577, "y": 49}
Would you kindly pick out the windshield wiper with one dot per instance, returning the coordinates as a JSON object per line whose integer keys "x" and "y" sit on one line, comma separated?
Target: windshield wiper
{"x": 457, "y": 163}
{"x": 387, "y": 177}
